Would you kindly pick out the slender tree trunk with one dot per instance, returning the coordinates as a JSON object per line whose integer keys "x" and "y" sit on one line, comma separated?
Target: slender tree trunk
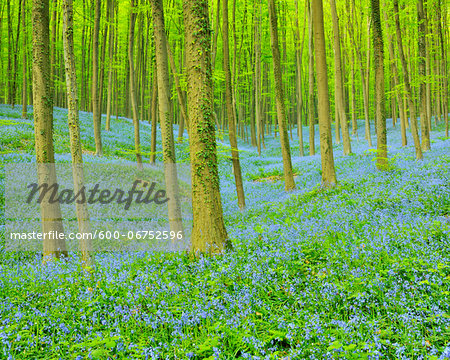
{"x": 257, "y": 46}
{"x": 279, "y": 94}
{"x": 74, "y": 130}
{"x": 24, "y": 61}
{"x": 366, "y": 87}
{"x": 364, "y": 77}
{"x": 339, "y": 85}
{"x": 422, "y": 20}
{"x": 133, "y": 96}
{"x": 380, "y": 117}
{"x": 112, "y": 4}
{"x": 326, "y": 146}
{"x": 10, "y": 54}
{"x": 95, "y": 91}
{"x": 43, "y": 127}
{"x": 394, "y": 70}
{"x": 54, "y": 21}
{"x": 443, "y": 63}
{"x": 4, "y": 99}
{"x": 412, "y": 110}
{"x": 181, "y": 99}
{"x": 102, "y": 69}
{"x": 154, "y": 117}
{"x": 428, "y": 84}
{"x": 354, "y": 119}
{"x": 165, "y": 118}
{"x": 215, "y": 34}
{"x": 311, "y": 120}
{"x": 16, "y": 52}
{"x": 299, "y": 57}
{"x": 209, "y": 233}
{"x": 230, "y": 111}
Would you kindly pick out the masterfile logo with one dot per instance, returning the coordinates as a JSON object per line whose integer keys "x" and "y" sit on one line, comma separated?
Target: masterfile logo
{"x": 127, "y": 208}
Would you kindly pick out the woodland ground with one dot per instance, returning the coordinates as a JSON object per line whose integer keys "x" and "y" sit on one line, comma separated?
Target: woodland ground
{"x": 356, "y": 272}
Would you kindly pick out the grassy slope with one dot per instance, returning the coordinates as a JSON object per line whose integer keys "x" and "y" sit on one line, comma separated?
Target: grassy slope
{"x": 359, "y": 271}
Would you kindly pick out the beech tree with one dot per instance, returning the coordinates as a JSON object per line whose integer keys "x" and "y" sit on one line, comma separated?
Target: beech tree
{"x": 422, "y": 24}
{"x": 43, "y": 128}
{"x": 341, "y": 118}
{"x": 326, "y": 146}
{"x": 133, "y": 95}
{"x": 96, "y": 111}
{"x": 380, "y": 117}
{"x": 208, "y": 233}
{"x": 409, "y": 95}
{"x": 230, "y": 110}
{"x": 289, "y": 183}
{"x": 165, "y": 116}
{"x": 74, "y": 130}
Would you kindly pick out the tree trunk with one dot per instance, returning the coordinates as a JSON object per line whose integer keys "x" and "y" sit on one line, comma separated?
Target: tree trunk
{"x": 257, "y": 46}
{"x": 181, "y": 99}
{"x": 10, "y": 54}
{"x": 354, "y": 119}
{"x": 422, "y": 21}
{"x": 380, "y": 117}
{"x": 279, "y": 94}
{"x": 74, "y": 130}
{"x": 215, "y": 34}
{"x": 339, "y": 85}
{"x": 95, "y": 91}
{"x": 299, "y": 57}
{"x": 230, "y": 111}
{"x": 209, "y": 233}
{"x": 102, "y": 69}
{"x": 366, "y": 87}
{"x": 24, "y": 61}
{"x": 311, "y": 120}
{"x": 16, "y": 52}
{"x": 412, "y": 109}
{"x": 165, "y": 118}
{"x": 112, "y": 4}
{"x": 154, "y": 116}
{"x": 326, "y": 146}
{"x": 133, "y": 96}
{"x": 443, "y": 63}
{"x": 43, "y": 127}
{"x": 396, "y": 83}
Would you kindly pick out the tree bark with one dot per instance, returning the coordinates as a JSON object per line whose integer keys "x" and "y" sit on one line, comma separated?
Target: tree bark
{"x": 10, "y": 54}
{"x": 299, "y": 58}
{"x": 181, "y": 99}
{"x": 380, "y": 116}
{"x": 257, "y": 48}
{"x": 24, "y": 61}
{"x": 112, "y": 4}
{"x": 396, "y": 84}
{"x": 209, "y": 233}
{"x": 95, "y": 91}
{"x": 339, "y": 85}
{"x": 326, "y": 146}
{"x": 412, "y": 109}
{"x": 289, "y": 183}
{"x": 133, "y": 96}
{"x": 422, "y": 21}
{"x": 43, "y": 127}
{"x": 230, "y": 111}
{"x": 311, "y": 120}
{"x": 154, "y": 116}
{"x": 165, "y": 118}
{"x": 74, "y": 130}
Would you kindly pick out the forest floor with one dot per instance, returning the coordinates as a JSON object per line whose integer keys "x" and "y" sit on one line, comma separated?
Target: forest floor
{"x": 360, "y": 271}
